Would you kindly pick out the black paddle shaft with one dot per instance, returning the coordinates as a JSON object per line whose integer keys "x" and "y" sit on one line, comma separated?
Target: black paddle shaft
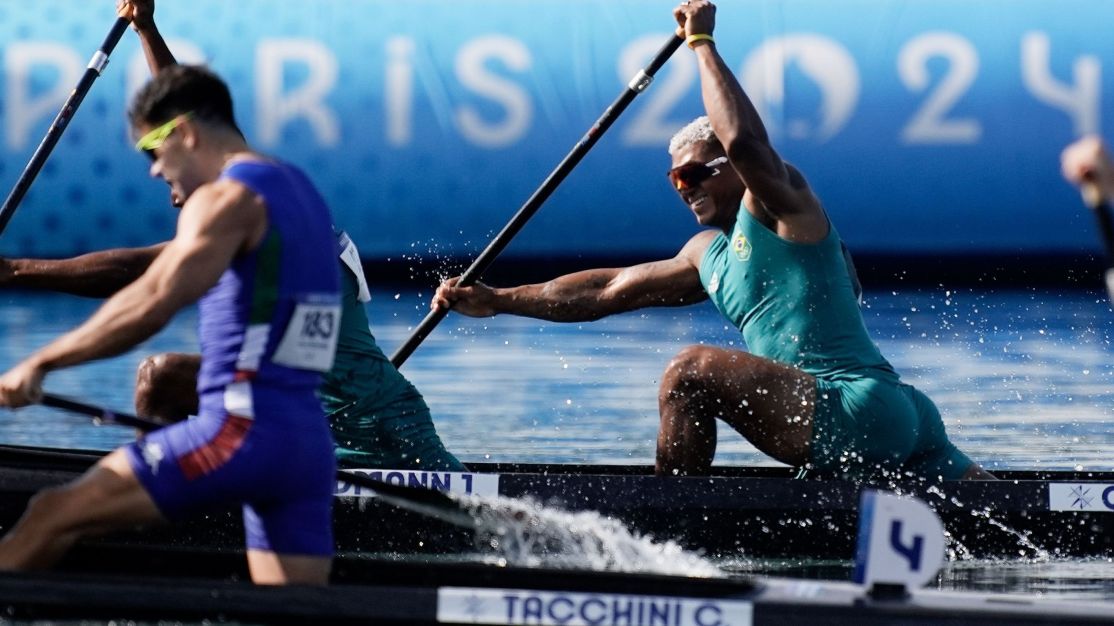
{"x": 637, "y": 85}
{"x": 100, "y": 415}
{"x": 54, "y": 133}
{"x": 1098, "y": 203}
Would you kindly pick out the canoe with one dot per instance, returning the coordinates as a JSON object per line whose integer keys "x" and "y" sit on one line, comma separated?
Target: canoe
{"x": 195, "y": 585}
{"x": 757, "y": 512}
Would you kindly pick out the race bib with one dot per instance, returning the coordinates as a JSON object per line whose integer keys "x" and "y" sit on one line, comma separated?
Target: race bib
{"x": 350, "y": 256}
{"x": 310, "y": 340}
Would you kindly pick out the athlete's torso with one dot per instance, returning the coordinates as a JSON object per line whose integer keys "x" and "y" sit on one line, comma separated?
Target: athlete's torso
{"x": 362, "y": 379}
{"x": 273, "y": 317}
{"x": 793, "y": 302}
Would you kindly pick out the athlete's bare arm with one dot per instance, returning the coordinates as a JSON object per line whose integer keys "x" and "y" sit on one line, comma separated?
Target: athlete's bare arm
{"x": 141, "y": 13}
{"x": 218, "y": 222}
{"x": 591, "y": 294}
{"x": 94, "y": 275}
{"x": 773, "y": 186}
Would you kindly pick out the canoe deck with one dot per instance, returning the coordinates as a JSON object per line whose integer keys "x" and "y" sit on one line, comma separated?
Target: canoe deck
{"x": 750, "y": 512}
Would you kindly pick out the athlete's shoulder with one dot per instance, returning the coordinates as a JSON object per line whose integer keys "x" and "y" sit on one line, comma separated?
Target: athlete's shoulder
{"x": 223, "y": 193}
{"x": 223, "y": 205}
{"x": 700, "y": 242}
{"x": 704, "y": 238}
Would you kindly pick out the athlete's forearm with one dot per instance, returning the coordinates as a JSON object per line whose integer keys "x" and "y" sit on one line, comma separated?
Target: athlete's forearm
{"x": 158, "y": 54}
{"x": 94, "y": 275}
{"x": 731, "y": 112}
{"x": 579, "y": 297}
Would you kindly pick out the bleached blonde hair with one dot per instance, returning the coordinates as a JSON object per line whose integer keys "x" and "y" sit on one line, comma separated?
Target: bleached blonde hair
{"x": 700, "y": 129}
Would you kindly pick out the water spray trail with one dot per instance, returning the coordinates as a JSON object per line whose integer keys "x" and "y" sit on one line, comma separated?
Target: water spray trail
{"x": 525, "y": 533}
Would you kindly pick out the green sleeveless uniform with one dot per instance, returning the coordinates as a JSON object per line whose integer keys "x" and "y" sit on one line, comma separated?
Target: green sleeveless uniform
{"x": 795, "y": 304}
{"x": 378, "y": 419}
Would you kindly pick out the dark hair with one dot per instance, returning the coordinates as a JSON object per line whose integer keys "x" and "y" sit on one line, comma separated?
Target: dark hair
{"x": 182, "y": 89}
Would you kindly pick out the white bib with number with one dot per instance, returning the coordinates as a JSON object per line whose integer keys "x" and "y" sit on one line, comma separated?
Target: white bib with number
{"x": 310, "y": 340}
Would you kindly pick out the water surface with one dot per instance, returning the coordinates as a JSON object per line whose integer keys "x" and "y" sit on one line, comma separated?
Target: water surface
{"x": 1022, "y": 378}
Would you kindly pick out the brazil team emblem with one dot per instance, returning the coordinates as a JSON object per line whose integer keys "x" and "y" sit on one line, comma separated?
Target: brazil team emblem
{"x": 741, "y": 246}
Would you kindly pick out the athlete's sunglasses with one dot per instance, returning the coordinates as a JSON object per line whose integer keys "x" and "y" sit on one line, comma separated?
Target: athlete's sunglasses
{"x": 158, "y": 135}
{"x": 690, "y": 175}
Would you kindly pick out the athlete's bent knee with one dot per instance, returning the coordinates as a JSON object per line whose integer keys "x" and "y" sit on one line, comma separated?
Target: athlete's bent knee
{"x": 692, "y": 365}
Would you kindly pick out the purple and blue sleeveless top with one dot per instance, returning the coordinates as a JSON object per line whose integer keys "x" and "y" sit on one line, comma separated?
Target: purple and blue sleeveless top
{"x": 272, "y": 320}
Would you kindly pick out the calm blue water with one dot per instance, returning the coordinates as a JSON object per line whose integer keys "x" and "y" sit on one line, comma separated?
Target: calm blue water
{"x": 1023, "y": 379}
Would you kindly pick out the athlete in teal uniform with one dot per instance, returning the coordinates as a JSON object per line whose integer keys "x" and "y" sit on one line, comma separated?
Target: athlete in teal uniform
{"x": 796, "y": 303}
{"x": 378, "y": 418}
{"x": 813, "y": 391}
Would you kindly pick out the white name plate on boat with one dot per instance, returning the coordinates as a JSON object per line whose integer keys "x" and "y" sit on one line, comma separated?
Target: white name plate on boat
{"x": 465, "y": 605}
{"x": 1081, "y": 497}
{"x": 901, "y": 541}
{"x": 453, "y": 482}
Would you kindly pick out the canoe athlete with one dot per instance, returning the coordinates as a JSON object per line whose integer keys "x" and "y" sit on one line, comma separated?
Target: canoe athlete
{"x": 255, "y": 246}
{"x": 813, "y": 391}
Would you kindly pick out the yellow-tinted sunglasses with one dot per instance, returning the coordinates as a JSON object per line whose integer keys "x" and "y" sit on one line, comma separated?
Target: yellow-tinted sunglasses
{"x": 157, "y": 136}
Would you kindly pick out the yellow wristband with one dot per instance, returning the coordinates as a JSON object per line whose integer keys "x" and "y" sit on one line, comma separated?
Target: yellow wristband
{"x": 692, "y": 39}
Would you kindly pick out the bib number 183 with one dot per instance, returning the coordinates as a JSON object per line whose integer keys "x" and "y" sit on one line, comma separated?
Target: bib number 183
{"x": 310, "y": 340}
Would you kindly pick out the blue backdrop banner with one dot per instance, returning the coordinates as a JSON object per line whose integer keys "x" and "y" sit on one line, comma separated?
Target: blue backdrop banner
{"x": 925, "y": 127}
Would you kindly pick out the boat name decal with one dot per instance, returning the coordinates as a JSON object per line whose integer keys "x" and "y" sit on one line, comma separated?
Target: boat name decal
{"x": 454, "y": 482}
{"x": 558, "y": 608}
{"x": 1081, "y": 497}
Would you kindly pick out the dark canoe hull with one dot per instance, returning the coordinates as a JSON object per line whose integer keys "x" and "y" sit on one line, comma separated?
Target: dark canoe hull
{"x": 755, "y": 512}
{"x": 148, "y": 584}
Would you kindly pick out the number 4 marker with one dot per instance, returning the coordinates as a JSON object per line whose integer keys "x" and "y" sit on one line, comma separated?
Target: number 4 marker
{"x": 901, "y": 541}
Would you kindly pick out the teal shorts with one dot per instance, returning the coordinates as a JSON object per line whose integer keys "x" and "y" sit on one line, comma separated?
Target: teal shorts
{"x": 866, "y": 428}
{"x": 400, "y": 436}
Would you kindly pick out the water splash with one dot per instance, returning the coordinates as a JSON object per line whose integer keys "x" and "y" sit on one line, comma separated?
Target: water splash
{"x": 1026, "y": 548}
{"x": 956, "y": 550}
{"x": 523, "y": 532}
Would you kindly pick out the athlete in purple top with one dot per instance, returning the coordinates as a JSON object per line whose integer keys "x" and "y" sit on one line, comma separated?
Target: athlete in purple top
{"x": 255, "y": 244}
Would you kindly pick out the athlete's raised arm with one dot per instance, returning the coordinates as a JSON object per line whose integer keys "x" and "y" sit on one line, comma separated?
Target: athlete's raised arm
{"x": 141, "y": 13}
{"x": 779, "y": 188}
